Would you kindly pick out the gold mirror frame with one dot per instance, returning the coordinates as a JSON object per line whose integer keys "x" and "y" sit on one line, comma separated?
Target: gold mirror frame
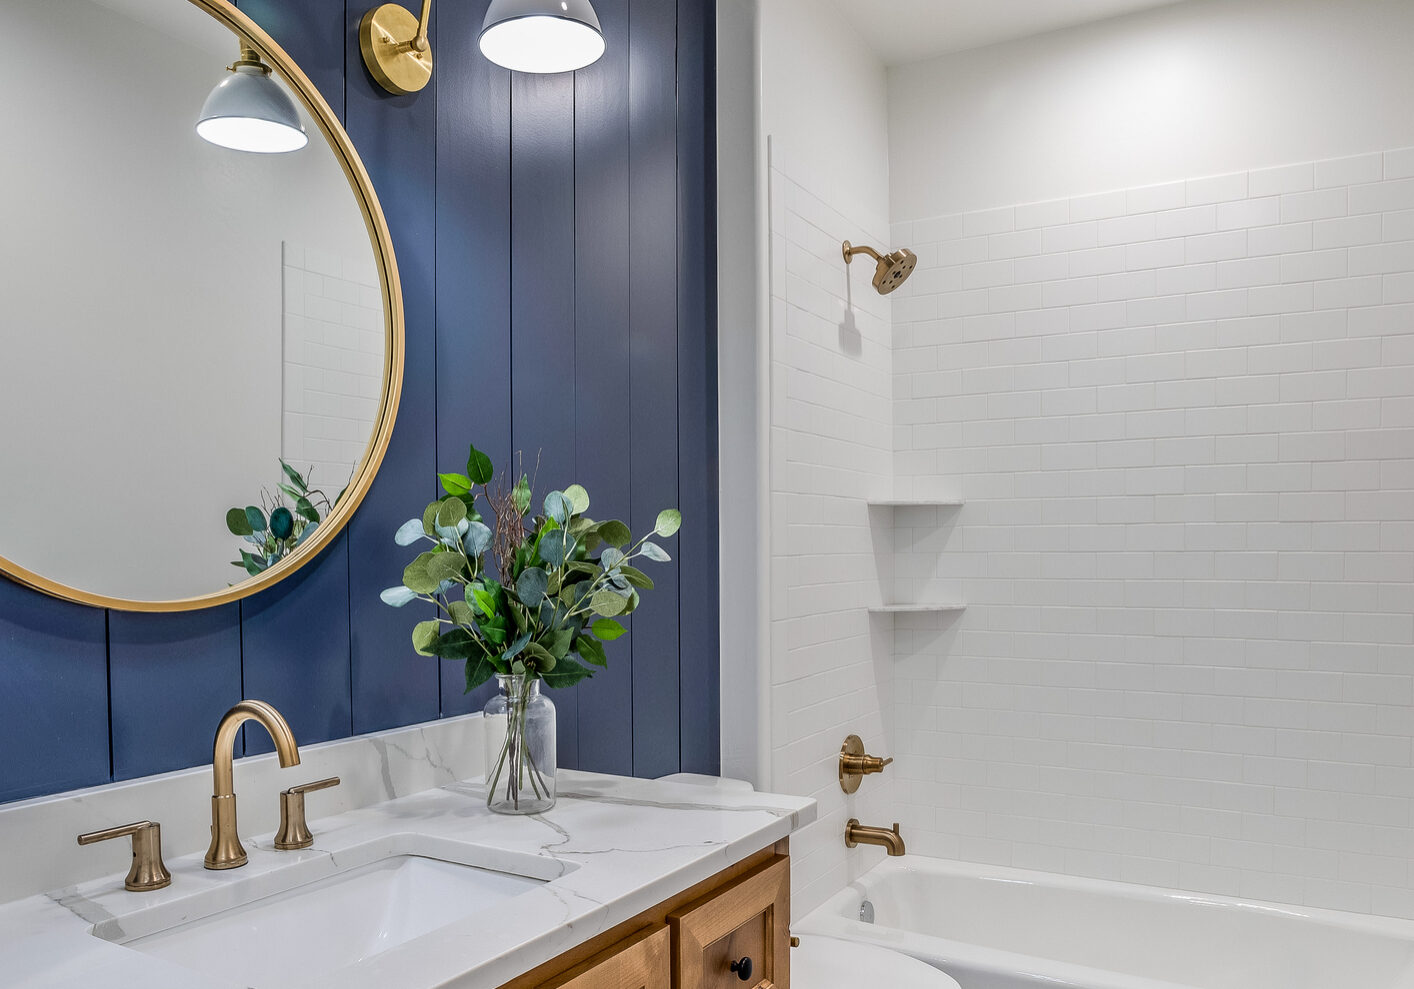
{"x": 276, "y": 57}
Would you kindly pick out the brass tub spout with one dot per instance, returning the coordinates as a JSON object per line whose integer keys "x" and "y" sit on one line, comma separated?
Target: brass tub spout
{"x": 860, "y": 834}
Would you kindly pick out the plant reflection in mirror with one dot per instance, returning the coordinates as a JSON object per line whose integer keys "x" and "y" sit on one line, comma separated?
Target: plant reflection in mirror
{"x": 531, "y": 596}
{"x": 275, "y": 528}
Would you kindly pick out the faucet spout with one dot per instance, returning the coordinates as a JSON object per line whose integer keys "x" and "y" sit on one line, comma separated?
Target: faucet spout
{"x": 226, "y": 851}
{"x": 860, "y": 834}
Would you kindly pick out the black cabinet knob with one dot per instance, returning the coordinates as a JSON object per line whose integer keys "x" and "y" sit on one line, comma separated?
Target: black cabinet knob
{"x": 742, "y": 968}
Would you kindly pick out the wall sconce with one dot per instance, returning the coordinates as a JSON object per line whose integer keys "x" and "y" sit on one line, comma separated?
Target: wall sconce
{"x": 249, "y": 111}
{"x": 395, "y": 47}
{"x": 521, "y": 35}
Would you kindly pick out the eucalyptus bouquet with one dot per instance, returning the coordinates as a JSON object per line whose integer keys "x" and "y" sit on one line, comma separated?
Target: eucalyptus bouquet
{"x": 529, "y": 595}
{"x": 274, "y": 528}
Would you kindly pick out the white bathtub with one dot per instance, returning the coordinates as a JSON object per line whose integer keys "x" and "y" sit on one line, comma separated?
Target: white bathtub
{"x": 996, "y": 928}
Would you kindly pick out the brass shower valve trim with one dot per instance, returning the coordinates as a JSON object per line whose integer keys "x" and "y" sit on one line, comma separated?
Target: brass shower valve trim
{"x": 855, "y": 763}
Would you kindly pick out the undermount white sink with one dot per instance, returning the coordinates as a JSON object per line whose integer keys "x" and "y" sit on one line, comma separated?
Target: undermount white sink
{"x": 284, "y": 939}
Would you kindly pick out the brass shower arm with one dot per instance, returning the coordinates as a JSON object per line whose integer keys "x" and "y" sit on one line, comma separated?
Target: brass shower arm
{"x": 850, "y": 251}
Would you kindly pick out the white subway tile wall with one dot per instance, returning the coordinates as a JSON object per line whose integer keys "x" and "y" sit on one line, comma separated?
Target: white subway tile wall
{"x": 1182, "y": 420}
{"x": 831, "y": 427}
{"x": 333, "y": 363}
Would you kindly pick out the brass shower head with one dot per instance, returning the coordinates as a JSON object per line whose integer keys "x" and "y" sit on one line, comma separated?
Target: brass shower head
{"x": 892, "y": 270}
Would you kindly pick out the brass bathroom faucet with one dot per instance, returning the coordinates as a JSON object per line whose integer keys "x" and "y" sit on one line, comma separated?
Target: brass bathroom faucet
{"x": 859, "y": 834}
{"x": 226, "y": 851}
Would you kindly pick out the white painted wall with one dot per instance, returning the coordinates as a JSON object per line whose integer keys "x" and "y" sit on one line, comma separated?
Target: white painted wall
{"x": 1198, "y": 88}
{"x": 140, "y": 385}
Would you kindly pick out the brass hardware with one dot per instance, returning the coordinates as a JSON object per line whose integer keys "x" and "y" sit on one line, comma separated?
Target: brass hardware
{"x": 294, "y": 832}
{"x": 860, "y": 834}
{"x": 855, "y": 764}
{"x": 795, "y": 942}
{"x": 226, "y": 851}
{"x": 891, "y": 270}
{"x": 381, "y": 238}
{"x": 148, "y": 870}
{"x": 395, "y": 47}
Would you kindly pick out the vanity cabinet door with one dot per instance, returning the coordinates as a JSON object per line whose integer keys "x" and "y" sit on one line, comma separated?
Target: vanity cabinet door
{"x": 737, "y": 937}
{"x": 641, "y": 961}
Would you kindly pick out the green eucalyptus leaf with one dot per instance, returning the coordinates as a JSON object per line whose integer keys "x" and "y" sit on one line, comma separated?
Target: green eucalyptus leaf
{"x": 461, "y": 613}
{"x": 455, "y": 484}
{"x": 578, "y": 499}
{"x": 446, "y": 566}
{"x": 591, "y": 651}
{"x": 238, "y": 523}
{"x": 417, "y": 578}
{"x": 607, "y": 604}
{"x": 514, "y": 648}
{"x": 567, "y": 673}
{"x": 607, "y": 629}
{"x": 425, "y": 636}
{"x": 398, "y": 596}
{"x": 610, "y": 558}
{"x": 636, "y": 577}
{"x": 477, "y": 539}
{"x": 409, "y": 532}
{"x": 555, "y": 546}
{"x": 289, "y": 490}
{"x": 654, "y": 552}
{"x": 429, "y": 519}
{"x": 451, "y": 514}
{"x": 478, "y": 467}
{"x": 256, "y": 518}
{"x": 531, "y": 586}
{"x": 615, "y": 533}
{"x": 558, "y": 507}
{"x": 518, "y": 668}
{"x": 538, "y": 654}
{"x": 282, "y": 523}
{"x": 669, "y": 522}
{"x": 252, "y": 563}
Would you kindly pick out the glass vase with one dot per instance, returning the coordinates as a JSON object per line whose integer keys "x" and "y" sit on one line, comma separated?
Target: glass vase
{"x": 520, "y": 742}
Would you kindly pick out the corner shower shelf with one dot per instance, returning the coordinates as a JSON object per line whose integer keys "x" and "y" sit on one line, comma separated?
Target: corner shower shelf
{"x": 907, "y": 609}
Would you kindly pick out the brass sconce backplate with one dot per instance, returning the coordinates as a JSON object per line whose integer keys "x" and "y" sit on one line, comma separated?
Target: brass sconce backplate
{"x": 395, "y": 49}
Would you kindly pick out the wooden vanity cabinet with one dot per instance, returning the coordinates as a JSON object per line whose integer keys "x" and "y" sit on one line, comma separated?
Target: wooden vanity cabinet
{"x": 691, "y": 940}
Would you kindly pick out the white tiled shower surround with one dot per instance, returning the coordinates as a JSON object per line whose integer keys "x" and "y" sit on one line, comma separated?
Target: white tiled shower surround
{"x": 1182, "y": 419}
{"x": 831, "y": 414}
{"x": 333, "y": 363}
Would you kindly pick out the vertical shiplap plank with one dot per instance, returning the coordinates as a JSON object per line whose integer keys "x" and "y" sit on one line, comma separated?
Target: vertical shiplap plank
{"x": 54, "y": 698}
{"x": 295, "y": 637}
{"x": 473, "y": 267}
{"x": 295, "y": 650}
{"x": 172, "y": 676}
{"x": 698, "y": 632}
{"x": 542, "y": 302}
{"x": 395, "y": 136}
{"x": 602, "y": 288}
{"x": 306, "y": 31}
{"x": 653, "y": 412}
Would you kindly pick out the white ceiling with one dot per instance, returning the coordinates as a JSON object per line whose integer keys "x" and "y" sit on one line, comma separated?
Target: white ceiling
{"x": 908, "y": 30}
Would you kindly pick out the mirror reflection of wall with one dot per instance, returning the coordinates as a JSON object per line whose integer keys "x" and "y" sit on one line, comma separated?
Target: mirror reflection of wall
{"x": 147, "y": 342}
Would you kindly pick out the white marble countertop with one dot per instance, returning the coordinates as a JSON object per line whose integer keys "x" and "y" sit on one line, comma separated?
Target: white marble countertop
{"x": 611, "y": 848}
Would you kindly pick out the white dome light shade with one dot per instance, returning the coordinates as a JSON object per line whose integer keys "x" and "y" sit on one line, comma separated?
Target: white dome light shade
{"x": 542, "y": 35}
{"x": 249, "y": 111}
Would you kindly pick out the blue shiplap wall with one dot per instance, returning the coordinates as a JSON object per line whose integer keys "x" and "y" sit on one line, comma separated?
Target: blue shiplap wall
{"x": 555, "y": 240}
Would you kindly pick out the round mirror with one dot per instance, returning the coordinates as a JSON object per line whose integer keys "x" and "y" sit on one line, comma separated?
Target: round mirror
{"x": 202, "y": 345}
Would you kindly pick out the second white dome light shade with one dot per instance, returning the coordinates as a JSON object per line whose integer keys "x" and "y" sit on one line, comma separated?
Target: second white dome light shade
{"x": 542, "y": 35}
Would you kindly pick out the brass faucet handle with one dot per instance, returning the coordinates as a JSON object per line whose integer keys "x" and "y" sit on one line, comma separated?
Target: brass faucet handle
{"x": 148, "y": 870}
{"x": 294, "y": 832}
